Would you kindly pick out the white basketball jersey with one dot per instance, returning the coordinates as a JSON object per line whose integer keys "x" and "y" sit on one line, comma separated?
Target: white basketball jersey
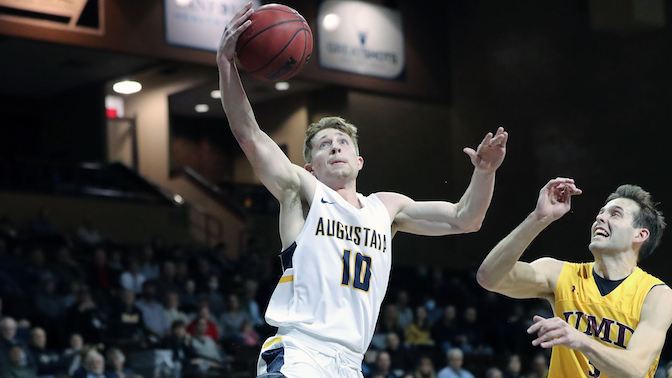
{"x": 337, "y": 271}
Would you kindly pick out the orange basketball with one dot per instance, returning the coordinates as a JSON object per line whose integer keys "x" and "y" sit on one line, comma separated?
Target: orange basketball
{"x": 276, "y": 45}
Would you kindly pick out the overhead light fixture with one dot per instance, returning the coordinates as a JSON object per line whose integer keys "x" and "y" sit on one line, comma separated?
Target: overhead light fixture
{"x": 183, "y": 3}
{"x": 127, "y": 87}
{"x": 282, "y": 85}
{"x": 178, "y": 199}
{"x": 216, "y": 94}
{"x": 201, "y": 108}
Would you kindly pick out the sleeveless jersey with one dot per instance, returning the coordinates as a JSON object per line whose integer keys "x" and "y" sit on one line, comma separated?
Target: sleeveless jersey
{"x": 611, "y": 319}
{"x": 336, "y": 273}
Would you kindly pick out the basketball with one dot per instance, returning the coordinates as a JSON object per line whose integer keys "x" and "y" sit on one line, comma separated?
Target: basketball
{"x": 276, "y": 45}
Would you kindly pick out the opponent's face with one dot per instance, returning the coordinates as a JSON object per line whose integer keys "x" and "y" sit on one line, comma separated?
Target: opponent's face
{"x": 334, "y": 156}
{"x": 613, "y": 229}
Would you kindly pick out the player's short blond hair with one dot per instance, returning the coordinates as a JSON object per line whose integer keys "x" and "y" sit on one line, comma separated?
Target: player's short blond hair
{"x": 337, "y": 123}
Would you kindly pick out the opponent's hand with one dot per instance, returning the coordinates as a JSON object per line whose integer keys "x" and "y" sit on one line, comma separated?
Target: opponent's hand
{"x": 489, "y": 155}
{"x": 555, "y": 331}
{"x": 555, "y": 198}
{"x": 237, "y": 25}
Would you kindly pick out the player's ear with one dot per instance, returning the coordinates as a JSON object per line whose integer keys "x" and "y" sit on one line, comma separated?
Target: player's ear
{"x": 309, "y": 167}
{"x": 360, "y": 162}
{"x": 642, "y": 234}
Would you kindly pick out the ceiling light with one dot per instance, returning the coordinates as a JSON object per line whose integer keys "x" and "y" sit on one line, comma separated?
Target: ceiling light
{"x": 201, "y": 108}
{"x": 282, "y": 85}
{"x": 183, "y": 3}
{"x": 216, "y": 94}
{"x": 178, "y": 199}
{"x": 127, "y": 87}
{"x": 331, "y": 21}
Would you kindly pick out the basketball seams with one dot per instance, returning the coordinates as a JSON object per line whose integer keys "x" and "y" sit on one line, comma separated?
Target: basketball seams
{"x": 289, "y": 42}
{"x": 265, "y": 29}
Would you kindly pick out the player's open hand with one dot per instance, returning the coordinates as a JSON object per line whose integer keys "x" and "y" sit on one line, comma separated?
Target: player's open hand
{"x": 555, "y": 198}
{"x": 489, "y": 155}
{"x": 237, "y": 25}
{"x": 555, "y": 331}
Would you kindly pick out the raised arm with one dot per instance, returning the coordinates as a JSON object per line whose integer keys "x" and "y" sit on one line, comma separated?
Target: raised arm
{"x": 502, "y": 272}
{"x": 270, "y": 164}
{"x": 635, "y": 361}
{"x": 443, "y": 218}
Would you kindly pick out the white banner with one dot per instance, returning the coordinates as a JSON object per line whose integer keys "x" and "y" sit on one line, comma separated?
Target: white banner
{"x": 199, "y": 23}
{"x": 67, "y": 8}
{"x": 361, "y": 38}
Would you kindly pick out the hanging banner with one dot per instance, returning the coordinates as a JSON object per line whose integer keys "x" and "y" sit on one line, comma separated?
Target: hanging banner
{"x": 77, "y": 15}
{"x": 361, "y": 38}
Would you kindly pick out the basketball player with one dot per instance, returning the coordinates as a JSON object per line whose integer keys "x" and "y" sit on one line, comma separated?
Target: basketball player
{"x": 336, "y": 242}
{"x": 611, "y": 317}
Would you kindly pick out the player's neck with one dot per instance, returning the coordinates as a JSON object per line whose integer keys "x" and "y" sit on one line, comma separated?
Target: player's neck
{"x": 615, "y": 266}
{"x": 347, "y": 190}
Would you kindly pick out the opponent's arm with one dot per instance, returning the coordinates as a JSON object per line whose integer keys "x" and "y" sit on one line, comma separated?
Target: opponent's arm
{"x": 270, "y": 164}
{"x": 645, "y": 344}
{"x": 443, "y": 218}
{"x": 502, "y": 272}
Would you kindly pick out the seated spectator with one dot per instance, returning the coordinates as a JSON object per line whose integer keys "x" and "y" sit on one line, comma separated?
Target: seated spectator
{"x": 232, "y": 320}
{"x": 153, "y": 313}
{"x": 493, "y": 372}
{"x": 116, "y": 368}
{"x": 85, "y": 318}
{"x": 405, "y": 317}
{"x": 471, "y": 339}
{"x": 446, "y": 328}
{"x": 17, "y": 364}
{"x": 172, "y": 308}
{"x": 87, "y": 234}
{"x": 383, "y": 367}
{"x": 127, "y": 325}
{"x": 513, "y": 367}
{"x": 454, "y": 368}
{"x": 214, "y": 297}
{"x": 249, "y": 336}
{"x": 401, "y": 358}
{"x": 179, "y": 343}
{"x": 539, "y": 367}
{"x": 207, "y": 355}
{"x": 250, "y": 304}
{"x": 132, "y": 279}
{"x": 94, "y": 366}
{"x": 46, "y": 361}
{"x": 418, "y": 333}
{"x": 425, "y": 368}
{"x": 72, "y": 356}
{"x": 204, "y": 313}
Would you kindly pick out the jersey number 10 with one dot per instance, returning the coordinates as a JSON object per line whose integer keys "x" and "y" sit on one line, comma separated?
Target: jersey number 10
{"x": 362, "y": 271}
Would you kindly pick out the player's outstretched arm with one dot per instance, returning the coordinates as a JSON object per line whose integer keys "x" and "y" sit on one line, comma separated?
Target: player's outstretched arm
{"x": 502, "y": 272}
{"x": 635, "y": 361}
{"x": 270, "y": 164}
{"x": 443, "y": 218}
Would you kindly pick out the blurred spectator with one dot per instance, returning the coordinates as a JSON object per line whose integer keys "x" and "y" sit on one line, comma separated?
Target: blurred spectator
{"x": 446, "y": 328}
{"x": 36, "y": 270}
{"x": 153, "y": 313}
{"x": 493, "y": 372}
{"x": 232, "y": 319}
{"x": 401, "y": 358}
{"x": 85, "y": 318}
{"x": 179, "y": 343}
{"x": 72, "y": 356}
{"x": 149, "y": 268}
{"x": 207, "y": 354}
{"x": 17, "y": 365}
{"x": 66, "y": 269}
{"x": 41, "y": 227}
{"x": 249, "y": 336}
{"x": 539, "y": 368}
{"x": 116, "y": 368}
{"x": 101, "y": 279}
{"x": 132, "y": 279}
{"x": 188, "y": 296}
{"x": 471, "y": 340}
{"x": 167, "y": 281}
{"x": 250, "y": 304}
{"x": 383, "y": 365}
{"x": 211, "y": 327}
{"x": 8, "y": 330}
{"x": 127, "y": 322}
{"x": 418, "y": 333}
{"x": 214, "y": 297}
{"x": 425, "y": 368}
{"x": 94, "y": 366}
{"x": 369, "y": 362}
{"x": 454, "y": 368}
{"x": 514, "y": 367}
{"x": 389, "y": 322}
{"x": 172, "y": 309}
{"x": 405, "y": 312}
{"x": 46, "y": 361}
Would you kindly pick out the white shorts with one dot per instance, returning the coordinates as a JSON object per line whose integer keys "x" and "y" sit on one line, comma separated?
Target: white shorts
{"x": 297, "y": 355}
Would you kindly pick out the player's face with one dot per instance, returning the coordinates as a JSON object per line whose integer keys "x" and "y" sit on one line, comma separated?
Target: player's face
{"x": 334, "y": 156}
{"x": 613, "y": 229}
